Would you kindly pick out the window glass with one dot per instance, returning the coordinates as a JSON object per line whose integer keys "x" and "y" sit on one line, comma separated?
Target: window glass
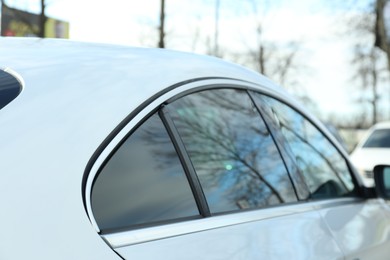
{"x": 234, "y": 156}
{"x": 9, "y": 88}
{"x": 323, "y": 167}
{"x": 288, "y": 156}
{"x": 380, "y": 138}
{"x": 143, "y": 182}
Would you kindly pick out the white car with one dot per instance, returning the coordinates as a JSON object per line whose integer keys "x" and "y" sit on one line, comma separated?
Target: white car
{"x": 111, "y": 152}
{"x": 372, "y": 150}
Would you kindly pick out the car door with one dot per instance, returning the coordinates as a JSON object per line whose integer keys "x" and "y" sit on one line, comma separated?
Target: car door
{"x": 360, "y": 226}
{"x": 200, "y": 177}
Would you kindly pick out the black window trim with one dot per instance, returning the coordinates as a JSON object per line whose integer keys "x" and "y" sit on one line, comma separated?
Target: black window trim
{"x": 189, "y": 170}
{"x": 8, "y": 75}
{"x": 111, "y": 136}
{"x": 246, "y": 91}
{"x": 188, "y": 167}
{"x": 112, "y": 153}
{"x": 179, "y": 146}
{"x": 277, "y": 144}
{"x": 357, "y": 191}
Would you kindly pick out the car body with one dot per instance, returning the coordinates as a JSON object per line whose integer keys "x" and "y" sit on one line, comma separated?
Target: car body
{"x": 373, "y": 149}
{"x": 111, "y": 152}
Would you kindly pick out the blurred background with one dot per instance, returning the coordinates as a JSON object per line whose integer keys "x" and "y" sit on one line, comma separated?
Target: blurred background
{"x": 332, "y": 55}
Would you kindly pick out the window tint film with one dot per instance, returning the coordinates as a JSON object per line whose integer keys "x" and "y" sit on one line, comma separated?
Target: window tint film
{"x": 233, "y": 153}
{"x": 380, "y": 138}
{"x": 323, "y": 167}
{"x": 143, "y": 182}
{"x": 288, "y": 156}
{"x": 9, "y": 88}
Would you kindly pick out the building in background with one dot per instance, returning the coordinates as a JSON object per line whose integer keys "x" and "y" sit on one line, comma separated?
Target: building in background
{"x": 19, "y": 23}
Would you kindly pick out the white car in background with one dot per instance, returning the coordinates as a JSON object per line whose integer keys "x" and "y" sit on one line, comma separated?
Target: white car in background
{"x": 372, "y": 150}
{"x": 112, "y": 152}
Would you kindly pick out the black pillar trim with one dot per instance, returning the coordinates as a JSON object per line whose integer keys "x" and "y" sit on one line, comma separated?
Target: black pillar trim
{"x": 259, "y": 110}
{"x": 186, "y": 162}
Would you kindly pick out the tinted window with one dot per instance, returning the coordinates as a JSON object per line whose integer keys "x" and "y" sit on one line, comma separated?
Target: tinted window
{"x": 323, "y": 167}
{"x": 288, "y": 156}
{"x": 143, "y": 182}
{"x": 9, "y": 88}
{"x": 380, "y": 138}
{"x": 233, "y": 153}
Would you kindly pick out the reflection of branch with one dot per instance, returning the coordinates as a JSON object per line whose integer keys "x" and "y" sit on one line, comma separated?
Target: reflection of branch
{"x": 275, "y": 192}
{"x": 197, "y": 131}
{"x": 224, "y": 102}
{"x": 237, "y": 156}
{"x": 315, "y": 150}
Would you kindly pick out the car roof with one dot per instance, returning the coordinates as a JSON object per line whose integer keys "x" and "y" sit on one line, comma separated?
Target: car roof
{"x": 114, "y": 80}
{"x": 32, "y": 56}
{"x": 72, "y": 82}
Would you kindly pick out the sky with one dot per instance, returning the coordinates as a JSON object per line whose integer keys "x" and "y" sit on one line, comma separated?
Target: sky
{"x": 324, "y": 51}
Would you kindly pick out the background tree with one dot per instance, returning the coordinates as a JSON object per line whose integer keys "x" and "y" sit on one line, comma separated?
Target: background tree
{"x": 161, "y": 29}
{"x": 369, "y": 60}
{"x": 42, "y": 19}
{"x": 278, "y": 60}
{"x": 216, "y": 29}
{"x": 381, "y": 28}
{"x": 369, "y": 73}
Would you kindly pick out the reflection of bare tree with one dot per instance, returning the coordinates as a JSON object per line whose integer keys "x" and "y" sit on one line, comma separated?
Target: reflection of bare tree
{"x": 157, "y": 137}
{"x": 307, "y": 145}
{"x": 222, "y": 146}
{"x": 329, "y": 163}
{"x": 227, "y": 144}
{"x": 231, "y": 104}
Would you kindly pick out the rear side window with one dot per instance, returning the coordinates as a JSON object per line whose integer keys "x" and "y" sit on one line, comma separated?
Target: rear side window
{"x": 9, "y": 88}
{"x": 323, "y": 167}
{"x": 143, "y": 182}
{"x": 233, "y": 153}
{"x": 380, "y": 138}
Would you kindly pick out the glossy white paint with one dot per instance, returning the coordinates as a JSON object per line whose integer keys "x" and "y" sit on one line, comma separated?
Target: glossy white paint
{"x": 74, "y": 95}
{"x": 128, "y": 238}
{"x": 142, "y": 114}
{"x": 362, "y": 229}
{"x": 270, "y": 90}
{"x": 366, "y": 158}
{"x": 289, "y": 236}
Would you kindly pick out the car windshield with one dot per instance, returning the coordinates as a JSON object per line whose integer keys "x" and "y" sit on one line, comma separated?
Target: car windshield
{"x": 380, "y": 138}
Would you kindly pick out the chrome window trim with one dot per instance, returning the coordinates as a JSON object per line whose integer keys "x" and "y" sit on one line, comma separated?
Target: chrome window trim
{"x": 132, "y": 237}
{"x": 325, "y": 133}
{"x": 11, "y": 86}
{"x": 168, "y": 96}
{"x": 16, "y": 75}
{"x": 193, "y": 86}
{"x": 336, "y": 202}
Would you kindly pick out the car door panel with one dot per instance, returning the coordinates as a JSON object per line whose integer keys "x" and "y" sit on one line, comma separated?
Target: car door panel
{"x": 293, "y": 235}
{"x": 361, "y": 228}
